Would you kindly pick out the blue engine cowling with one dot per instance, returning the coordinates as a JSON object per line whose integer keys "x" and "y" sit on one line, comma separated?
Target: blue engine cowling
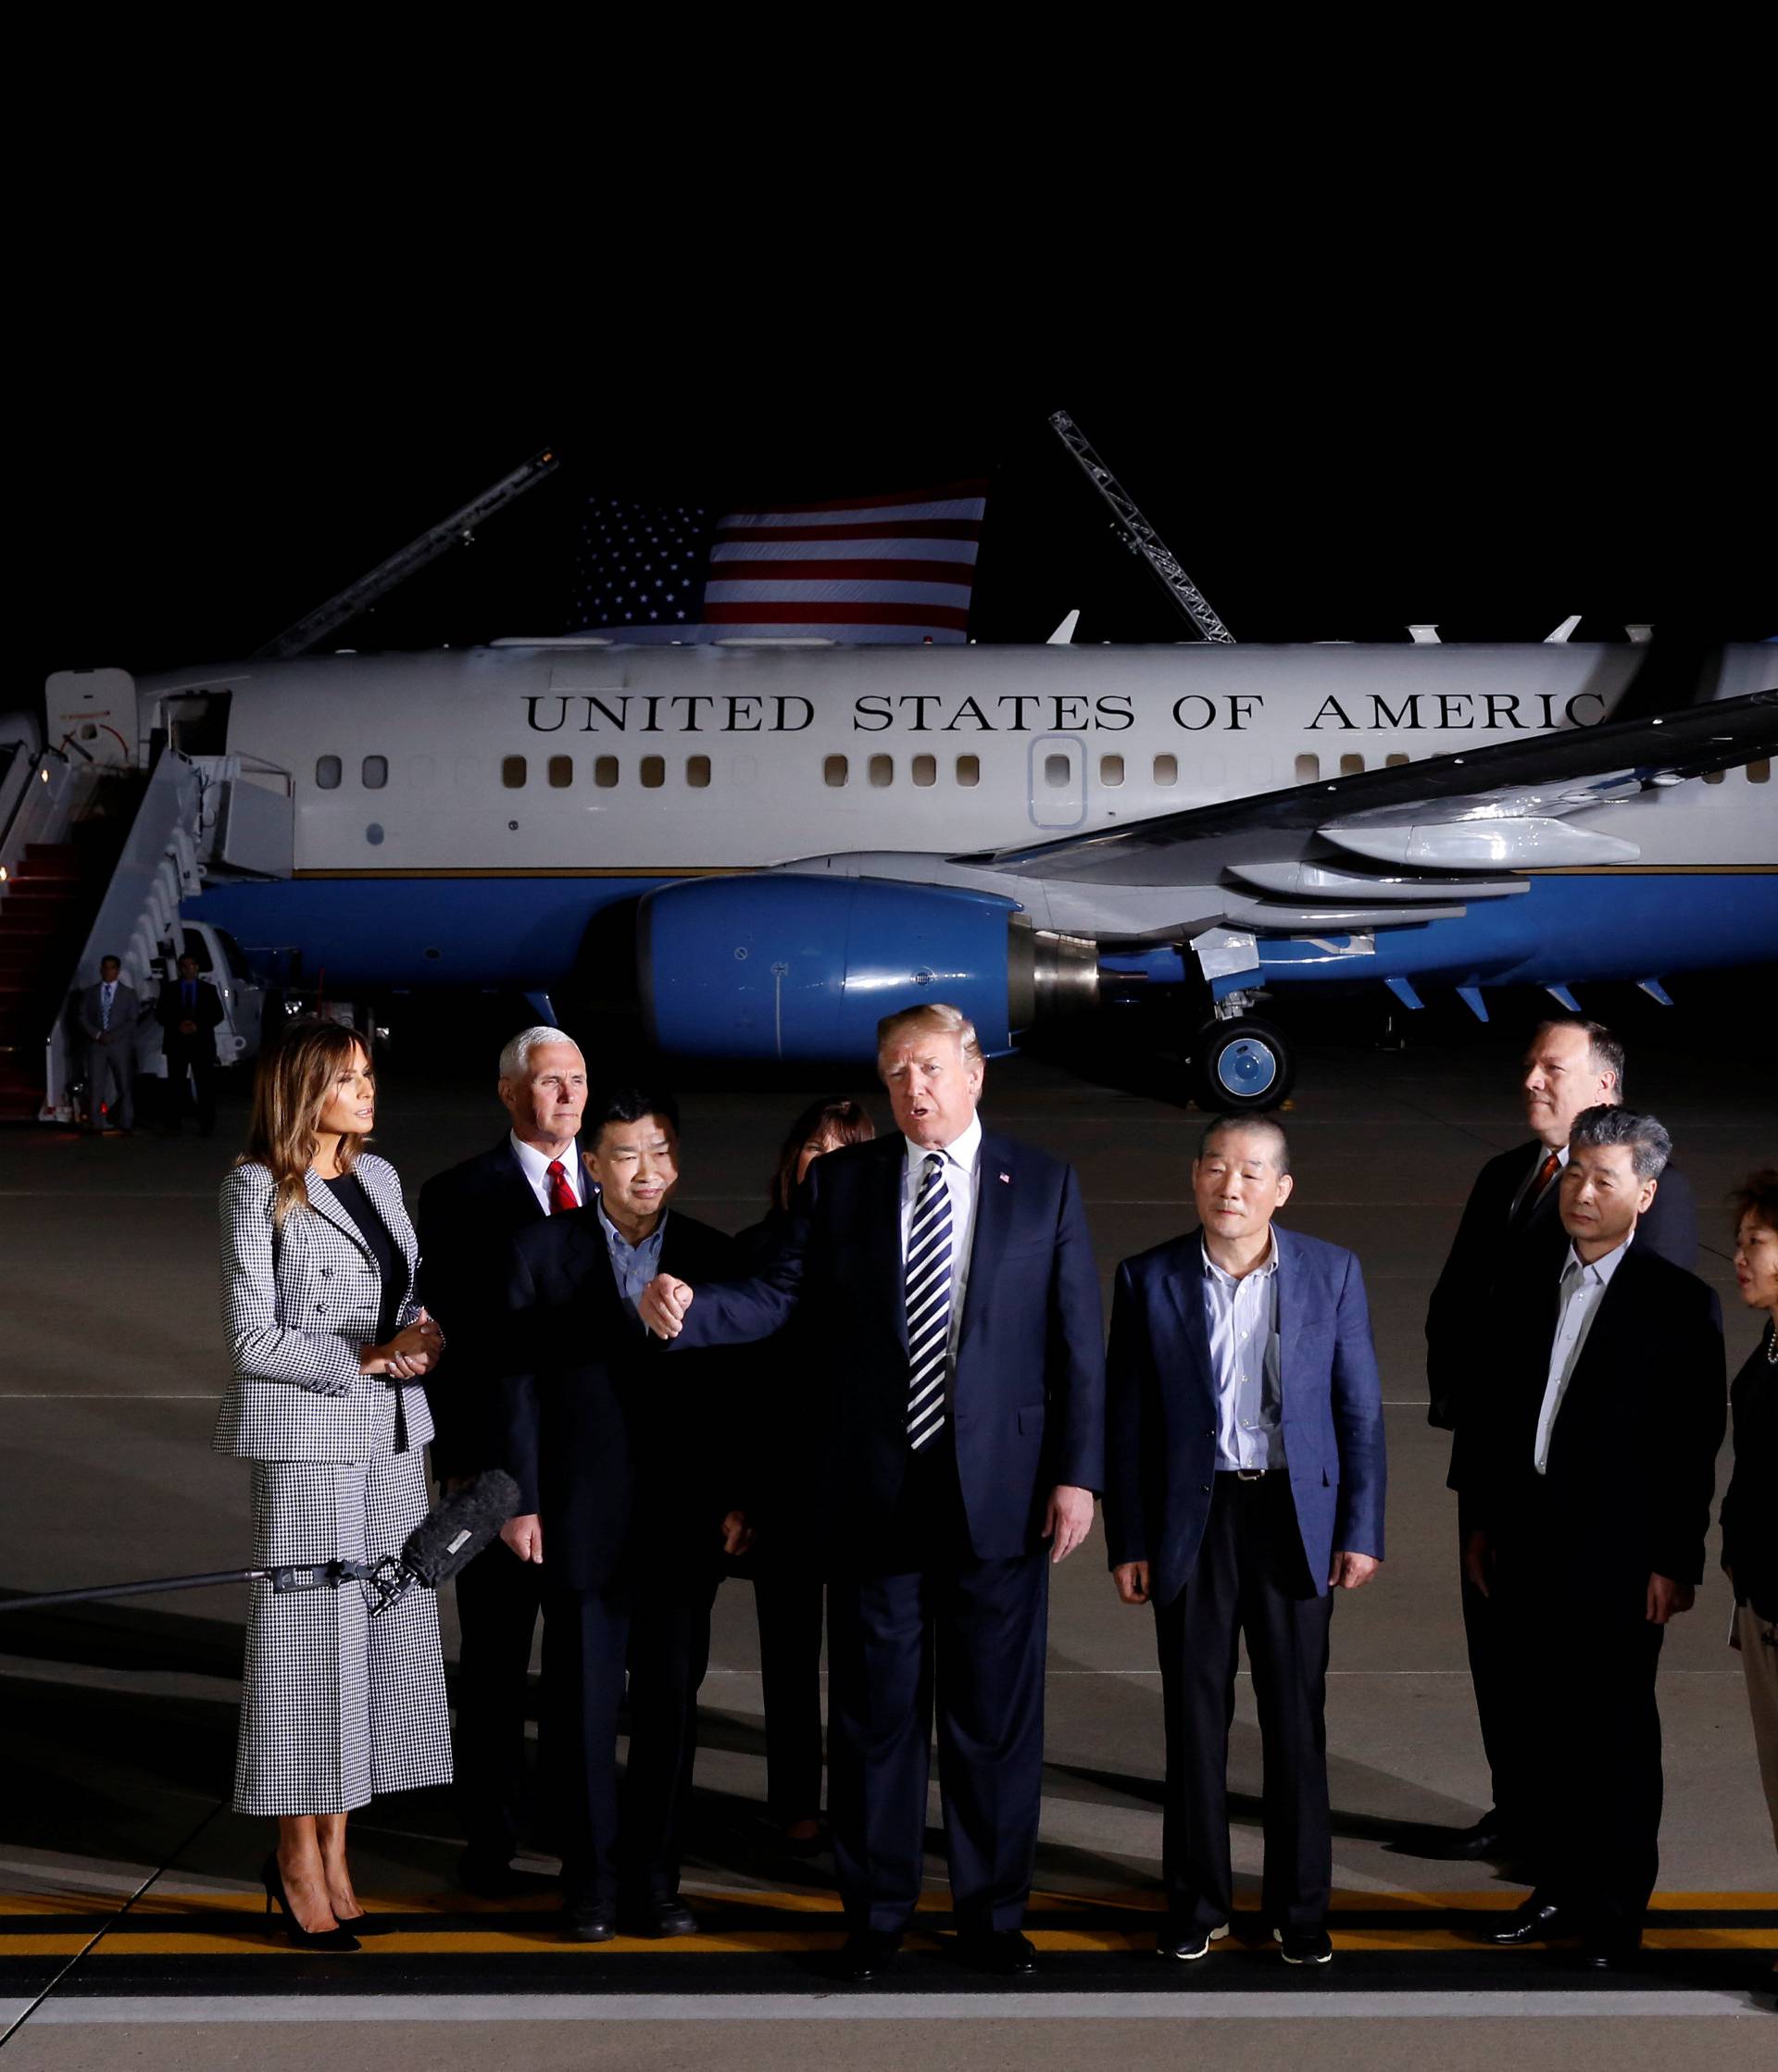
{"x": 806, "y": 967}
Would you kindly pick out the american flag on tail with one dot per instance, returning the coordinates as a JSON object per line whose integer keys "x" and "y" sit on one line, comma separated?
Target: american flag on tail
{"x": 856, "y": 569}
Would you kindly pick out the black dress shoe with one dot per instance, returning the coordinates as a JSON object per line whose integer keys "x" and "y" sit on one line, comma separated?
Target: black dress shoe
{"x": 1483, "y": 1839}
{"x": 589, "y": 1920}
{"x": 1304, "y": 1945}
{"x": 868, "y": 1954}
{"x": 658, "y": 1916}
{"x": 1004, "y": 1951}
{"x": 1608, "y": 1952}
{"x": 1536, "y": 1921}
{"x": 1187, "y": 1944}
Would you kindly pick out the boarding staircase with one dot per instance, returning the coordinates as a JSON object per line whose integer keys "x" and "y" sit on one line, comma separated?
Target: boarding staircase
{"x": 96, "y": 860}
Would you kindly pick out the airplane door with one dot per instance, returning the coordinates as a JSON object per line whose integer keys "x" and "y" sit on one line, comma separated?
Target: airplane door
{"x": 1057, "y": 782}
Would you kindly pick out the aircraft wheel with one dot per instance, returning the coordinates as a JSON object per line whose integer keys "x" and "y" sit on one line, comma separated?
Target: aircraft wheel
{"x": 1242, "y": 1065}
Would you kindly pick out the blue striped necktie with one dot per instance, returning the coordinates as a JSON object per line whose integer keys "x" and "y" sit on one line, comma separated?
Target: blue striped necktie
{"x": 928, "y": 1285}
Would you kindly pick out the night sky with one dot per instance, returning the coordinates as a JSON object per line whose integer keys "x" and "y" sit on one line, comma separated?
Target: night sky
{"x": 185, "y": 507}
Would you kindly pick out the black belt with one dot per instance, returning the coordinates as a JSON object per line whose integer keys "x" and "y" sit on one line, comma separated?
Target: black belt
{"x": 1248, "y": 1474}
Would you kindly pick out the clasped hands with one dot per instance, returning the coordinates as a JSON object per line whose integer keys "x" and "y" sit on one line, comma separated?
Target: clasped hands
{"x": 413, "y": 1350}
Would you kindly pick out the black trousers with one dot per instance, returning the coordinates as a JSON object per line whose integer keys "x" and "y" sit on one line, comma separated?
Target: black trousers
{"x": 937, "y": 1631}
{"x": 498, "y": 1597}
{"x": 1491, "y": 1677}
{"x": 657, "y": 1636}
{"x": 788, "y": 1599}
{"x": 1585, "y": 1712}
{"x": 1250, "y": 1577}
{"x": 198, "y": 1057}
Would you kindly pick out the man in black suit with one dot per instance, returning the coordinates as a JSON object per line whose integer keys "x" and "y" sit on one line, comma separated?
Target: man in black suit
{"x": 189, "y": 1012}
{"x": 1511, "y": 1234}
{"x": 626, "y": 1474}
{"x": 951, "y": 1274}
{"x": 1587, "y": 1471}
{"x": 467, "y": 1218}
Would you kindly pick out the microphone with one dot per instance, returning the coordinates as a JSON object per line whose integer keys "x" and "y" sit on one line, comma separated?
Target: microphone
{"x": 448, "y": 1538}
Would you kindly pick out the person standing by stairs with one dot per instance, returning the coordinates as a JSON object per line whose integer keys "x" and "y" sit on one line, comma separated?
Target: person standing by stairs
{"x": 189, "y": 1012}
{"x": 107, "y": 1013}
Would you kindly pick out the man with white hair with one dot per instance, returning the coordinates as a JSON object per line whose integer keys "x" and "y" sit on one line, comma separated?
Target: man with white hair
{"x": 467, "y": 1221}
{"x": 950, "y": 1273}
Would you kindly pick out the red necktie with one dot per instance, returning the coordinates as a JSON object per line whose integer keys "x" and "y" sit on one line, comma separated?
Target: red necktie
{"x": 561, "y": 1195}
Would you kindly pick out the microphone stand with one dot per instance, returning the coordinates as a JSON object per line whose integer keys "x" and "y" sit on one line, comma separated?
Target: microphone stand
{"x": 287, "y": 1577}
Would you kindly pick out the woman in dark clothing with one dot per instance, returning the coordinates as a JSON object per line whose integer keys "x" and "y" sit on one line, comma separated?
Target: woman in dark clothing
{"x": 1750, "y": 1508}
{"x": 787, "y": 1582}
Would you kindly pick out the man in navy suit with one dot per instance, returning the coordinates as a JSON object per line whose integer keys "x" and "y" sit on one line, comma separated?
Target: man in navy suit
{"x": 467, "y": 1218}
{"x": 1511, "y": 1238}
{"x": 1244, "y": 1484}
{"x": 950, "y": 1271}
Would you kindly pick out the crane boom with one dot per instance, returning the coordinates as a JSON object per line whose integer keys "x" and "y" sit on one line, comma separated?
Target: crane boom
{"x": 1139, "y": 536}
{"x": 357, "y": 596}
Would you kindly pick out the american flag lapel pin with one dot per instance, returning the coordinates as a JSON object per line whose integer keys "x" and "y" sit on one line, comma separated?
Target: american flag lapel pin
{"x": 1005, "y": 1179}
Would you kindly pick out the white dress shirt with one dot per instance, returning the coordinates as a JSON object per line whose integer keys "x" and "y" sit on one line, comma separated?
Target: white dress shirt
{"x": 960, "y": 1157}
{"x": 1242, "y": 1319}
{"x": 534, "y": 1164}
{"x": 1582, "y": 1289}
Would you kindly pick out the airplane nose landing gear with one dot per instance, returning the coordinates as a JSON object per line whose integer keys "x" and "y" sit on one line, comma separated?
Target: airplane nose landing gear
{"x": 1241, "y": 1065}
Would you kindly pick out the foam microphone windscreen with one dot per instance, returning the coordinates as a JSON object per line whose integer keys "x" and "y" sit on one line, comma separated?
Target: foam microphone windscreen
{"x": 450, "y": 1535}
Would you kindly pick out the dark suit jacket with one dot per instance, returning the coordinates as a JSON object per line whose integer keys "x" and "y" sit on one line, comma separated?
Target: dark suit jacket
{"x": 1750, "y": 1508}
{"x": 625, "y": 1459}
{"x": 467, "y": 1220}
{"x": 1633, "y": 1456}
{"x": 1160, "y": 1453}
{"x": 1027, "y": 1396}
{"x": 169, "y": 1011}
{"x": 1491, "y": 1250}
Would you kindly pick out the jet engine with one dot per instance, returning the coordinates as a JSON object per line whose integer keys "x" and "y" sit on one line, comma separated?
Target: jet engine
{"x": 805, "y": 967}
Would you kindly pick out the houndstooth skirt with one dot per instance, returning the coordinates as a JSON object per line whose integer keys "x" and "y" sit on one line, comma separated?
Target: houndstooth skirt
{"x": 337, "y": 1706}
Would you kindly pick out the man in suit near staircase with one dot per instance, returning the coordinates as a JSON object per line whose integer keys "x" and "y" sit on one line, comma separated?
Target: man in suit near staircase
{"x": 950, "y": 1273}
{"x": 189, "y": 1012}
{"x": 1244, "y": 1484}
{"x": 1511, "y": 1234}
{"x": 467, "y": 1221}
{"x": 1587, "y": 1471}
{"x": 107, "y": 1011}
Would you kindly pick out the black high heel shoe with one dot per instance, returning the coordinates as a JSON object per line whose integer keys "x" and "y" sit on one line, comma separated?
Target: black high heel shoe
{"x": 336, "y": 1938}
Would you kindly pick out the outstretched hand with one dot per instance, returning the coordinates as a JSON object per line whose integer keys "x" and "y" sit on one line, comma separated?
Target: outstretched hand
{"x": 662, "y": 1304}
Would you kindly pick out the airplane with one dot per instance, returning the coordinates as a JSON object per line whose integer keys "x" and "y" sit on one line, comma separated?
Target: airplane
{"x": 771, "y": 843}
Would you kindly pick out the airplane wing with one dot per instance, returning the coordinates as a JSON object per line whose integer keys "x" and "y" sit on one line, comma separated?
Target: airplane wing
{"x": 1502, "y": 807}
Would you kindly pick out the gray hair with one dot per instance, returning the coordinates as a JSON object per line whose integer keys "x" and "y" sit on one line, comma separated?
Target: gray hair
{"x": 516, "y": 1058}
{"x": 1265, "y": 1126}
{"x": 1649, "y": 1145}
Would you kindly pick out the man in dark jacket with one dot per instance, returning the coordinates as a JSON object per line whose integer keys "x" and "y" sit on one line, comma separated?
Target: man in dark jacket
{"x": 189, "y": 1011}
{"x": 627, "y": 1475}
{"x": 467, "y": 1218}
{"x": 1511, "y": 1236}
{"x": 1587, "y": 1473}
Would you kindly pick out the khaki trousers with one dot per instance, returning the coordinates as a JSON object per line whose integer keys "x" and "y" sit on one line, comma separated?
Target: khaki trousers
{"x": 1759, "y": 1640}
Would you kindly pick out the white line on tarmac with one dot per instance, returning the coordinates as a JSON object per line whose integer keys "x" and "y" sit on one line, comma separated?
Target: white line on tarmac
{"x": 1187, "y": 2005}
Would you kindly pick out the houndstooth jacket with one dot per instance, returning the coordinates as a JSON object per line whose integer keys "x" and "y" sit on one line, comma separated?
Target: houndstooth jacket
{"x": 297, "y": 1303}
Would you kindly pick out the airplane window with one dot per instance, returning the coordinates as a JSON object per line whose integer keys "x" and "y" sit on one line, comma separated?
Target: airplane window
{"x": 375, "y": 773}
{"x": 833, "y": 772}
{"x": 697, "y": 772}
{"x": 882, "y": 771}
{"x": 512, "y": 772}
{"x": 1110, "y": 769}
{"x": 1351, "y": 765}
{"x": 605, "y": 772}
{"x": 326, "y": 773}
{"x": 968, "y": 771}
{"x": 1394, "y": 762}
{"x": 1714, "y": 776}
{"x": 1760, "y": 772}
{"x": 1055, "y": 771}
{"x": 925, "y": 769}
{"x": 1309, "y": 767}
{"x": 561, "y": 772}
{"x": 652, "y": 772}
{"x": 1166, "y": 769}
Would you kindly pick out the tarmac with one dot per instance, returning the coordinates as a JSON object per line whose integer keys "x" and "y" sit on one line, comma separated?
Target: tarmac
{"x": 130, "y": 1923}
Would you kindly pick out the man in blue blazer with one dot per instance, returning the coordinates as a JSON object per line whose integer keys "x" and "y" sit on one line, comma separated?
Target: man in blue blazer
{"x": 950, "y": 1271}
{"x": 1243, "y": 1483}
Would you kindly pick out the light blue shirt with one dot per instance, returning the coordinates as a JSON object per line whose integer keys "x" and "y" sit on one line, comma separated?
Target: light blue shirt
{"x": 634, "y": 1264}
{"x": 1242, "y": 1319}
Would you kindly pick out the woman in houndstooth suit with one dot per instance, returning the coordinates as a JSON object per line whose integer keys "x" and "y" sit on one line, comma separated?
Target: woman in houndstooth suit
{"x": 318, "y": 1278}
